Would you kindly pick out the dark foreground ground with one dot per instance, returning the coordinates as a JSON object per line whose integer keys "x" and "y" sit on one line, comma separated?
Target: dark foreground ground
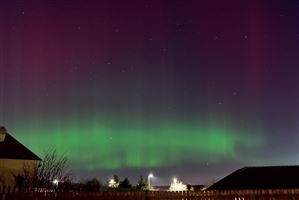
{"x": 207, "y": 195}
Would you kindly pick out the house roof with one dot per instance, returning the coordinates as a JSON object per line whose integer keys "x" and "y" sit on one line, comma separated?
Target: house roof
{"x": 272, "y": 177}
{"x": 10, "y": 148}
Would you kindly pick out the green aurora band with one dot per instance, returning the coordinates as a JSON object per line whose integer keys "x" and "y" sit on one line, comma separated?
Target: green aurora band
{"x": 113, "y": 145}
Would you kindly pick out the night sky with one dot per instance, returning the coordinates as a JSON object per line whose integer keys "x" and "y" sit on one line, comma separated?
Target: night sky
{"x": 186, "y": 88}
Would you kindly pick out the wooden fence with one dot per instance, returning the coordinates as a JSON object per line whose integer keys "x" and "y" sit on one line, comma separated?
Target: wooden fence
{"x": 206, "y": 195}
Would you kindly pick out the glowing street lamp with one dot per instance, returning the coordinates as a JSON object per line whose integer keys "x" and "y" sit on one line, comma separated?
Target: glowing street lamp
{"x": 175, "y": 180}
{"x": 112, "y": 183}
{"x": 56, "y": 182}
{"x": 149, "y": 180}
{"x": 177, "y": 185}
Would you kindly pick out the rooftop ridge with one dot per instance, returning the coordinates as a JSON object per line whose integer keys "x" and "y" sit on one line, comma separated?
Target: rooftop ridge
{"x": 11, "y": 148}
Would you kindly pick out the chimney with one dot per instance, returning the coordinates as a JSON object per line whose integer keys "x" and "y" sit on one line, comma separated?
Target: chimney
{"x": 2, "y": 133}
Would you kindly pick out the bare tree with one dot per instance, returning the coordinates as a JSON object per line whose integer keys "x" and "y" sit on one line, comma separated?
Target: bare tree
{"x": 92, "y": 185}
{"x": 53, "y": 168}
{"x": 141, "y": 185}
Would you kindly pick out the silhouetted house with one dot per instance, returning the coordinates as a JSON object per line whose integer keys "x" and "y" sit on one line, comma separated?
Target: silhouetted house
{"x": 15, "y": 160}
{"x": 260, "y": 178}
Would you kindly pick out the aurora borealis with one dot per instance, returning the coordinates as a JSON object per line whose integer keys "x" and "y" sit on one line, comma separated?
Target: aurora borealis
{"x": 187, "y": 88}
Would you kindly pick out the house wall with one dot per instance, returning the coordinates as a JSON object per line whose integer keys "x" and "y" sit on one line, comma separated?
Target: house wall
{"x": 10, "y": 168}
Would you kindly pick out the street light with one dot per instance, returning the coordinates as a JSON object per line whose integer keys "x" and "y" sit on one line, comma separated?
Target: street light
{"x": 149, "y": 180}
{"x": 56, "y": 182}
{"x": 175, "y": 180}
{"x": 177, "y": 185}
{"x": 112, "y": 183}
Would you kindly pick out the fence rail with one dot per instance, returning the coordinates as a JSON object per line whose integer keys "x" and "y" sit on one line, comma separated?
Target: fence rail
{"x": 206, "y": 195}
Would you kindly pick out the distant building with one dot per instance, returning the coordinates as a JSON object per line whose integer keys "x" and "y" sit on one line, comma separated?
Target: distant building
{"x": 15, "y": 160}
{"x": 194, "y": 188}
{"x": 160, "y": 188}
{"x": 260, "y": 178}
